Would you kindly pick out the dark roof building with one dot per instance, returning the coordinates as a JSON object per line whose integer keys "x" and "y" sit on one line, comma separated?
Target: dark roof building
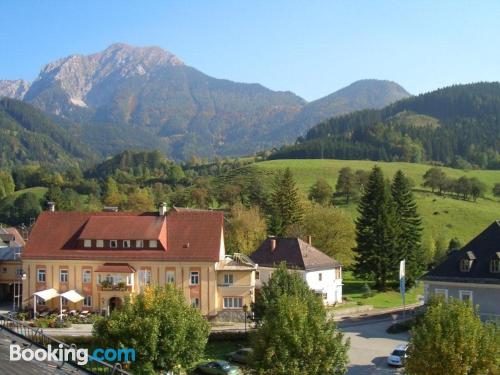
{"x": 475, "y": 262}
{"x": 297, "y": 254}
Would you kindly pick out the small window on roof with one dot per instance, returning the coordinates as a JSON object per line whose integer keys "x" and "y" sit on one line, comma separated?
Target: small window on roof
{"x": 495, "y": 266}
{"x": 465, "y": 265}
{"x": 139, "y": 244}
{"x": 87, "y": 243}
{"x": 99, "y": 243}
{"x": 153, "y": 244}
{"x": 126, "y": 244}
{"x": 113, "y": 244}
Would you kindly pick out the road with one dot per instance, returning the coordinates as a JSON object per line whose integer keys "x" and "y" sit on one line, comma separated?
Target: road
{"x": 370, "y": 346}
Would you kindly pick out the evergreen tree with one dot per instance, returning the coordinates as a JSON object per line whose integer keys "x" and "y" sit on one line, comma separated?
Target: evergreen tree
{"x": 286, "y": 209}
{"x": 376, "y": 232}
{"x": 410, "y": 227}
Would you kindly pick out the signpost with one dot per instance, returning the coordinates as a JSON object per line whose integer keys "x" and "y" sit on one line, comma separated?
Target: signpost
{"x": 402, "y": 287}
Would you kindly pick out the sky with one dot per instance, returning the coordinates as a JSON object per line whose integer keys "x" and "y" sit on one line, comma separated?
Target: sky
{"x": 312, "y": 48}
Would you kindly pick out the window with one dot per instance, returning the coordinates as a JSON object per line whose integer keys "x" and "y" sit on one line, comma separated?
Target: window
{"x": 64, "y": 301}
{"x": 87, "y": 243}
{"x": 466, "y": 296}
{"x": 228, "y": 279}
{"x": 145, "y": 277}
{"x": 87, "y": 301}
{"x": 195, "y": 278}
{"x": 63, "y": 276}
{"x": 465, "y": 265}
{"x": 257, "y": 275}
{"x": 320, "y": 276}
{"x": 87, "y": 276}
{"x": 195, "y": 302}
{"x": 40, "y": 301}
{"x": 139, "y": 244}
{"x": 170, "y": 277}
{"x": 19, "y": 272}
{"x": 40, "y": 275}
{"x": 126, "y": 244}
{"x": 441, "y": 293}
{"x": 338, "y": 273}
{"x": 153, "y": 244}
{"x": 113, "y": 244}
{"x": 99, "y": 243}
{"x": 233, "y": 302}
{"x": 495, "y": 266}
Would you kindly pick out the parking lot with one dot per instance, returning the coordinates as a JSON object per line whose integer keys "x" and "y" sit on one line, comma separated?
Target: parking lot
{"x": 370, "y": 346}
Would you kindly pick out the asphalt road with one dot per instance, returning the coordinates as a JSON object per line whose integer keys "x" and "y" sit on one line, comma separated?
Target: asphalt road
{"x": 370, "y": 346}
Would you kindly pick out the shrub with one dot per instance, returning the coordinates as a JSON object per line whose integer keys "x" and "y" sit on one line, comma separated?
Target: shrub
{"x": 367, "y": 292}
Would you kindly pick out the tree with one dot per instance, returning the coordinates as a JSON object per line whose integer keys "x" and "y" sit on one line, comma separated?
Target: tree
{"x": 161, "y": 326}
{"x": 454, "y": 244}
{"x": 112, "y": 196}
{"x": 441, "y": 249}
{"x": 140, "y": 200}
{"x": 410, "y": 228}
{"x": 496, "y": 190}
{"x": 332, "y": 232}
{"x": 478, "y": 188}
{"x": 285, "y": 207}
{"x": 296, "y": 336}
{"x": 245, "y": 230}
{"x": 26, "y": 208}
{"x": 451, "y": 339}
{"x": 346, "y": 183}
{"x": 7, "y": 185}
{"x": 434, "y": 178}
{"x": 376, "y": 233}
{"x": 321, "y": 192}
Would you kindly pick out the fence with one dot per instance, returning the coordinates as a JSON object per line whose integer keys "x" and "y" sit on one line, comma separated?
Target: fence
{"x": 40, "y": 339}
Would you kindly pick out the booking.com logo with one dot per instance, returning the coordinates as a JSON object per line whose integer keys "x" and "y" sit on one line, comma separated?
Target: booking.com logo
{"x": 65, "y": 354}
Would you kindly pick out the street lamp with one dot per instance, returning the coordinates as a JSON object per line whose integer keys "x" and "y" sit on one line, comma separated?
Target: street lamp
{"x": 245, "y": 309}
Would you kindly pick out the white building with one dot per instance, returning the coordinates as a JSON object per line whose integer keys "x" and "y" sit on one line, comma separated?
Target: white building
{"x": 322, "y": 273}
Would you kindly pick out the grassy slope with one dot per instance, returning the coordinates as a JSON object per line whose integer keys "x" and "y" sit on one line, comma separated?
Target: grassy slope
{"x": 442, "y": 217}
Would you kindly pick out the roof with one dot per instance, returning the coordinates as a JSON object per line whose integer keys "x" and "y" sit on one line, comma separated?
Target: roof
{"x": 295, "y": 252}
{"x": 481, "y": 250}
{"x": 123, "y": 227}
{"x": 185, "y": 235}
{"x": 11, "y": 236}
{"x": 115, "y": 268}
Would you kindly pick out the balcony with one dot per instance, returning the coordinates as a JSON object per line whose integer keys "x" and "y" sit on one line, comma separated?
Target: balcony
{"x": 105, "y": 287}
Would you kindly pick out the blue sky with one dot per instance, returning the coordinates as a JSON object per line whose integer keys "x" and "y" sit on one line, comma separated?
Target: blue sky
{"x": 309, "y": 47}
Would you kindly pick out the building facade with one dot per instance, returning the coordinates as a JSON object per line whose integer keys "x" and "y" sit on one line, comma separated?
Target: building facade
{"x": 471, "y": 274}
{"x": 11, "y": 246}
{"x": 322, "y": 274}
{"x": 108, "y": 256}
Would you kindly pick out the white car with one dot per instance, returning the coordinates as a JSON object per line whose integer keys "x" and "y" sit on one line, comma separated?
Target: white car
{"x": 398, "y": 356}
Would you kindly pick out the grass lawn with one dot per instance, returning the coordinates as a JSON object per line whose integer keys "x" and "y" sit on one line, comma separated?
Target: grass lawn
{"x": 353, "y": 290}
{"x": 443, "y": 217}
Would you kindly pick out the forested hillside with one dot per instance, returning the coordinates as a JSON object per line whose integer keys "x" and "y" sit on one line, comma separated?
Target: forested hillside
{"x": 457, "y": 126}
{"x": 27, "y": 135}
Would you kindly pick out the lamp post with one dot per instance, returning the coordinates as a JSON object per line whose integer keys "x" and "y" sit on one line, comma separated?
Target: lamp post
{"x": 245, "y": 309}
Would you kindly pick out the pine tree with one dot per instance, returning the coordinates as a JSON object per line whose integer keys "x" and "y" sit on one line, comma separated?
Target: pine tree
{"x": 285, "y": 204}
{"x": 376, "y": 232}
{"x": 410, "y": 227}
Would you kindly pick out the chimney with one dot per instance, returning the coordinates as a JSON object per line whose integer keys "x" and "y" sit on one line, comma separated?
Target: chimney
{"x": 273, "y": 243}
{"x": 51, "y": 206}
{"x": 162, "y": 210}
{"x": 309, "y": 240}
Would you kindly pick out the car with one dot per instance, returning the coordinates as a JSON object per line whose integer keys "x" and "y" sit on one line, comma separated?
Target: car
{"x": 241, "y": 355}
{"x": 398, "y": 356}
{"x": 218, "y": 368}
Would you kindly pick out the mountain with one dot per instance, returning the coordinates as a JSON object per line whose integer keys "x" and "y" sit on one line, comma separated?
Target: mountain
{"x": 362, "y": 94}
{"x": 28, "y": 135}
{"x": 457, "y": 125}
{"x": 146, "y": 97}
{"x": 15, "y": 89}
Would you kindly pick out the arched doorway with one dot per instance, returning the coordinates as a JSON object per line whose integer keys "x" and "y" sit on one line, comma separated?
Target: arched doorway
{"x": 115, "y": 303}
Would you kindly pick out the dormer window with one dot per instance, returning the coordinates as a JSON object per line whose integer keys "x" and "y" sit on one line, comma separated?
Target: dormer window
{"x": 113, "y": 244}
{"x": 126, "y": 244}
{"x": 153, "y": 244}
{"x": 87, "y": 243}
{"x": 139, "y": 244}
{"x": 495, "y": 266}
{"x": 465, "y": 265}
{"x": 99, "y": 243}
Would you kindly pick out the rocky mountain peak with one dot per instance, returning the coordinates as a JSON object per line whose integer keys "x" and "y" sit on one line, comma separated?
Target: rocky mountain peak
{"x": 14, "y": 88}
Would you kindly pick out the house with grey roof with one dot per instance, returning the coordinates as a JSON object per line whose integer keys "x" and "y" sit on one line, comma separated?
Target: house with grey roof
{"x": 471, "y": 274}
{"x": 322, "y": 273}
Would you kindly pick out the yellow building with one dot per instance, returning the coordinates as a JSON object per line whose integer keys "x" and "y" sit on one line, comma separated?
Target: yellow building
{"x": 106, "y": 256}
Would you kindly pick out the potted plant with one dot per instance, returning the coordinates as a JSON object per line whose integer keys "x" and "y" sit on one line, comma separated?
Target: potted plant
{"x": 105, "y": 284}
{"x": 122, "y": 285}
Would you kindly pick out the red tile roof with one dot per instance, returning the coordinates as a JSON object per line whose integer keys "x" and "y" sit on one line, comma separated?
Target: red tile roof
{"x": 115, "y": 268}
{"x": 185, "y": 234}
